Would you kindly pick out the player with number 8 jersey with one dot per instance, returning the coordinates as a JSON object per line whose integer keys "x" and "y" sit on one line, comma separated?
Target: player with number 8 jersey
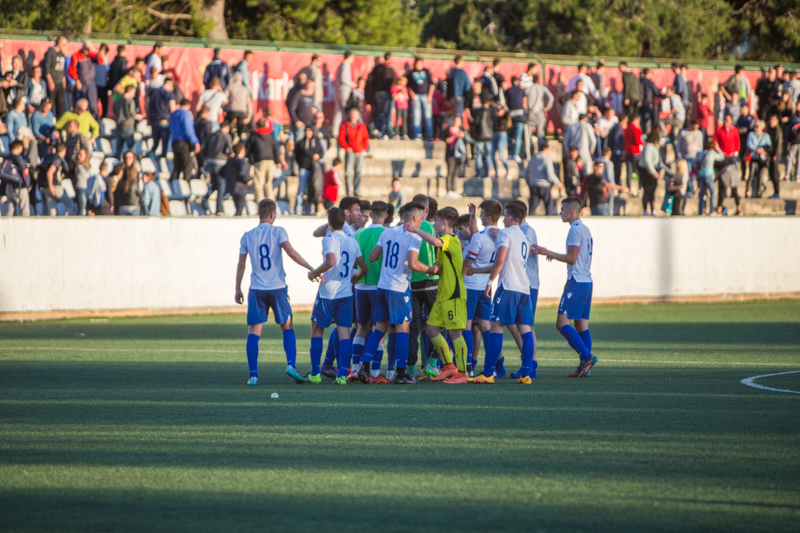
{"x": 264, "y": 245}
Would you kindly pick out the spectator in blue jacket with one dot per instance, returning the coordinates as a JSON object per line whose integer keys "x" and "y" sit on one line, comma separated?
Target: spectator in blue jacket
{"x": 43, "y": 125}
{"x": 36, "y": 90}
{"x": 458, "y": 83}
{"x": 217, "y": 69}
{"x": 181, "y": 125}
{"x": 16, "y": 118}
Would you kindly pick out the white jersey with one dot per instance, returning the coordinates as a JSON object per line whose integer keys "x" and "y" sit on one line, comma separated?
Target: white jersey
{"x": 336, "y": 281}
{"x": 347, "y": 229}
{"x": 579, "y": 235}
{"x": 482, "y": 250}
{"x": 514, "y": 276}
{"x": 396, "y": 243}
{"x": 263, "y": 244}
{"x": 533, "y": 258}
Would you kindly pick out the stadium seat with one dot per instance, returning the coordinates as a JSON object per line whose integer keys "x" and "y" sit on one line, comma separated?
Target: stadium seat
{"x": 199, "y": 188}
{"x": 284, "y": 208}
{"x": 106, "y": 147}
{"x": 165, "y": 188}
{"x": 39, "y": 209}
{"x": 212, "y": 203}
{"x": 144, "y": 128}
{"x": 108, "y": 126}
{"x": 251, "y": 207}
{"x": 228, "y": 207}
{"x": 4, "y": 144}
{"x": 111, "y": 163}
{"x": 177, "y": 208}
{"x": 196, "y": 209}
{"x": 4, "y": 206}
{"x": 180, "y": 189}
{"x": 146, "y": 164}
{"x": 68, "y": 189}
{"x": 94, "y": 165}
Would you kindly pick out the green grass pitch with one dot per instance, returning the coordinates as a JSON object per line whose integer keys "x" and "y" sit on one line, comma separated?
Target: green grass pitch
{"x": 147, "y": 425}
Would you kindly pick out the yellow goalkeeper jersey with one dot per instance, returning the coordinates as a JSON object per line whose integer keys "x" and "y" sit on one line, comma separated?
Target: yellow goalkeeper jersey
{"x": 451, "y": 281}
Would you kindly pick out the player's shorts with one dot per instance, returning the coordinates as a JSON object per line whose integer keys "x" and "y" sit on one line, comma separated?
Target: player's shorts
{"x": 449, "y": 314}
{"x": 260, "y": 302}
{"x": 365, "y": 304}
{"x": 478, "y": 305}
{"x": 576, "y": 302}
{"x": 534, "y": 299}
{"x": 393, "y": 306}
{"x": 512, "y": 307}
{"x": 338, "y": 311}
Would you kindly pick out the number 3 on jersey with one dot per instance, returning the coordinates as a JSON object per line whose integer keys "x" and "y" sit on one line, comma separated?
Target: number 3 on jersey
{"x": 345, "y": 265}
{"x": 263, "y": 253}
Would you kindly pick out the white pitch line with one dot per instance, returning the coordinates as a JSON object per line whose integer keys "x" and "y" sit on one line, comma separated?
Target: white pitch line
{"x": 750, "y": 382}
{"x": 160, "y": 350}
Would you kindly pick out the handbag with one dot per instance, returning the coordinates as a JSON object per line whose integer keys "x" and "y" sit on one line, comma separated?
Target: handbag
{"x": 9, "y": 173}
{"x": 666, "y": 205}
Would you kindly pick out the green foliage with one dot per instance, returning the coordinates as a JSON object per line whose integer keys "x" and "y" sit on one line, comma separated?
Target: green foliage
{"x": 767, "y": 29}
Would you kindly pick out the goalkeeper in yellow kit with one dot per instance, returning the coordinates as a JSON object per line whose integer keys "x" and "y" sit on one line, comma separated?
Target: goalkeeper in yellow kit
{"x": 450, "y": 310}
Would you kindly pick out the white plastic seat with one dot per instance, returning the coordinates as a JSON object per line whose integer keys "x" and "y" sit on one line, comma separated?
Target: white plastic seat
{"x": 109, "y": 125}
{"x": 251, "y": 207}
{"x": 212, "y": 203}
{"x": 177, "y": 208}
{"x": 111, "y": 162}
{"x": 284, "y": 208}
{"x": 106, "y": 148}
{"x": 181, "y": 188}
{"x": 199, "y": 188}
{"x": 94, "y": 165}
{"x": 228, "y": 207}
{"x": 165, "y": 188}
{"x": 68, "y": 189}
{"x": 146, "y": 164}
{"x": 196, "y": 209}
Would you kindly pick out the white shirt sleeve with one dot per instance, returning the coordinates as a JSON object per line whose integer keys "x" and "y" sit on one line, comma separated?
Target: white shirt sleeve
{"x": 502, "y": 239}
{"x": 573, "y": 239}
{"x": 327, "y": 246}
{"x": 282, "y": 236}
{"x": 414, "y": 242}
{"x": 475, "y": 245}
{"x": 243, "y": 244}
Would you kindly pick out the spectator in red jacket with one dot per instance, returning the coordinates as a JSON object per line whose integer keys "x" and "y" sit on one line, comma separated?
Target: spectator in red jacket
{"x": 331, "y": 183}
{"x": 633, "y": 146}
{"x": 727, "y": 138}
{"x": 354, "y": 138}
{"x": 705, "y": 116}
{"x": 82, "y": 70}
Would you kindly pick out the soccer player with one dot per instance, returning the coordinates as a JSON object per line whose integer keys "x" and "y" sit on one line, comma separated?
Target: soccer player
{"x": 367, "y": 288}
{"x": 334, "y": 303}
{"x": 533, "y": 277}
{"x": 480, "y": 255}
{"x": 512, "y": 305}
{"x": 364, "y": 216}
{"x": 576, "y": 302}
{"x": 399, "y": 250}
{"x": 264, "y": 245}
{"x": 449, "y": 311}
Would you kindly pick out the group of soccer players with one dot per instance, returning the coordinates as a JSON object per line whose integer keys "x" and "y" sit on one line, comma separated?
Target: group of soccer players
{"x": 366, "y": 275}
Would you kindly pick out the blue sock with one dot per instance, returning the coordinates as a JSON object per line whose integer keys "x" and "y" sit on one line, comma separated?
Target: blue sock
{"x": 494, "y": 346}
{"x": 330, "y": 353}
{"x": 377, "y": 359}
{"x": 316, "y": 354}
{"x": 401, "y": 350}
{"x": 533, "y": 369}
{"x": 359, "y": 343}
{"x": 470, "y": 344}
{"x": 345, "y": 351}
{"x": 391, "y": 344}
{"x": 391, "y": 360}
{"x": 587, "y": 339}
{"x": 527, "y": 353}
{"x": 252, "y": 354}
{"x": 576, "y": 342}
{"x": 290, "y": 347}
{"x": 371, "y": 346}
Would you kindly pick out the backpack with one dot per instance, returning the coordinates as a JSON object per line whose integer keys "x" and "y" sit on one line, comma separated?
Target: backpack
{"x": 41, "y": 171}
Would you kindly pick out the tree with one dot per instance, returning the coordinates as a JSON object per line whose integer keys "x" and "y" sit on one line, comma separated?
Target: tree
{"x": 766, "y": 29}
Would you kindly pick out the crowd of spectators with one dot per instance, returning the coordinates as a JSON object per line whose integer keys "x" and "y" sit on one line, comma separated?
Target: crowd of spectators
{"x": 55, "y": 115}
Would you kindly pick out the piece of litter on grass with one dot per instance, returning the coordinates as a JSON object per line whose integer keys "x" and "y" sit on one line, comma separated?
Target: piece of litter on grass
{"x": 274, "y": 395}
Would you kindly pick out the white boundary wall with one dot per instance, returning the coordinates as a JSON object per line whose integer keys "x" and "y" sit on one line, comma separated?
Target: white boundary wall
{"x": 83, "y": 264}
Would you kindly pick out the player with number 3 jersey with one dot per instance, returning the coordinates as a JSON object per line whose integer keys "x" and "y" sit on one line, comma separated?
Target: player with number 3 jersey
{"x": 265, "y": 245}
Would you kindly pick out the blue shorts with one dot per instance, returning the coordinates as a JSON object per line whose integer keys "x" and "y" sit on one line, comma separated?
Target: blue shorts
{"x": 365, "y": 305}
{"x": 534, "y": 299}
{"x": 339, "y": 311}
{"x": 393, "y": 306}
{"x": 576, "y": 302}
{"x": 260, "y": 302}
{"x": 511, "y": 307}
{"x": 478, "y": 305}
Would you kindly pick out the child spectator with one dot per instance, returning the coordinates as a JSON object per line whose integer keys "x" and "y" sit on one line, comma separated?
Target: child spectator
{"x": 705, "y": 116}
{"x": 81, "y": 179}
{"x": 151, "y": 195}
{"x": 331, "y": 183}
{"x": 400, "y": 97}
{"x": 96, "y": 192}
{"x": 356, "y": 99}
{"x": 397, "y": 197}
{"x": 705, "y": 176}
{"x": 733, "y": 108}
{"x": 18, "y": 197}
{"x": 438, "y": 108}
{"x": 676, "y": 186}
{"x": 571, "y": 173}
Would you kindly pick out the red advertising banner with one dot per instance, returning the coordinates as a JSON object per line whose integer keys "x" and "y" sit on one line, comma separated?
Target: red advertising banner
{"x": 271, "y": 73}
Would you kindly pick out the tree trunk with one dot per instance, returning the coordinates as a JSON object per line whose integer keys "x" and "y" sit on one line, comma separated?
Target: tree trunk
{"x": 87, "y": 26}
{"x": 214, "y": 10}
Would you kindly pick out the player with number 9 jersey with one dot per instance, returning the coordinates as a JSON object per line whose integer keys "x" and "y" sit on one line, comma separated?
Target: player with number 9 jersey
{"x": 512, "y": 303}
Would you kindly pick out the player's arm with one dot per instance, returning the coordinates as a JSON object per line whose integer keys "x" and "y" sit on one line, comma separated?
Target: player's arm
{"x": 418, "y": 266}
{"x": 570, "y": 257}
{"x": 376, "y": 254}
{"x": 473, "y": 220}
{"x": 499, "y": 261}
{"x": 321, "y": 231}
{"x": 239, "y": 296}
{"x": 363, "y": 269}
{"x": 327, "y": 264}
{"x": 424, "y": 235}
{"x": 294, "y": 256}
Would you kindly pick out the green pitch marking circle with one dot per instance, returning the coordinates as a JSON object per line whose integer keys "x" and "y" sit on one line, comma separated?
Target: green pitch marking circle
{"x": 750, "y": 382}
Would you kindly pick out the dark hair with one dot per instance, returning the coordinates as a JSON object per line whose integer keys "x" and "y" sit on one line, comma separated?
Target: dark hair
{"x": 347, "y": 53}
{"x": 458, "y": 59}
{"x": 684, "y": 65}
{"x": 535, "y": 78}
{"x": 463, "y": 221}
{"x": 225, "y": 124}
{"x": 378, "y": 208}
{"x": 645, "y": 72}
{"x": 738, "y": 68}
{"x": 530, "y": 66}
{"x": 410, "y": 206}
{"x": 336, "y": 161}
{"x": 492, "y": 208}
{"x": 261, "y": 122}
{"x": 654, "y": 136}
{"x": 389, "y": 213}
{"x": 266, "y": 207}
{"x": 387, "y": 56}
{"x": 515, "y": 211}
{"x": 496, "y": 61}
{"x": 421, "y": 199}
{"x": 120, "y": 49}
{"x": 247, "y": 52}
{"x": 514, "y": 79}
{"x": 16, "y": 144}
{"x": 581, "y": 65}
{"x": 433, "y": 206}
{"x": 674, "y": 65}
{"x": 185, "y": 102}
{"x": 449, "y": 215}
{"x": 217, "y": 52}
{"x": 60, "y": 147}
{"x": 623, "y": 63}
{"x": 238, "y": 147}
{"x": 520, "y": 203}
{"x": 571, "y": 200}
{"x": 347, "y": 202}
{"x": 365, "y": 205}
{"x": 418, "y": 59}
{"x": 335, "y": 218}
